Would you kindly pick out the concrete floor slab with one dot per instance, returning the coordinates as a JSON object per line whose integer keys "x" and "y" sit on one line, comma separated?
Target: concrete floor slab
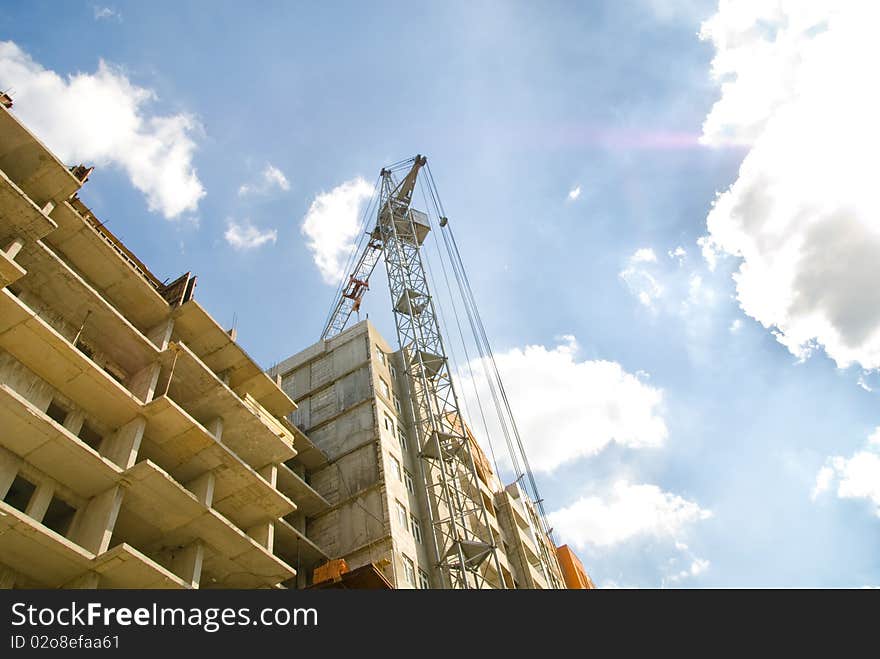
{"x": 48, "y": 354}
{"x": 49, "y": 447}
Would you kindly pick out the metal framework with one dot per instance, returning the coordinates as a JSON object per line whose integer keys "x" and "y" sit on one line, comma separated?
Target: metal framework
{"x": 462, "y": 538}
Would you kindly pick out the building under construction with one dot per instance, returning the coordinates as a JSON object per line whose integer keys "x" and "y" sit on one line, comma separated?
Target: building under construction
{"x": 141, "y": 447}
{"x": 351, "y": 393}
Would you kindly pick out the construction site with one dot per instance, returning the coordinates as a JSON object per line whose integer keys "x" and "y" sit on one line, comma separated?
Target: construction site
{"x": 142, "y": 447}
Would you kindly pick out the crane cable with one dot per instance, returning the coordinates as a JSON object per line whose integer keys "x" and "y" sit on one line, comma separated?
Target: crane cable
{"x": 467, "y": 356}
{"x": 461, "y": 274}
{"x": 457, "y": 268}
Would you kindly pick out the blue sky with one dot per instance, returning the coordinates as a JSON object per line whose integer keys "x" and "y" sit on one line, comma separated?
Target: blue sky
{"x": 717, "y": 396}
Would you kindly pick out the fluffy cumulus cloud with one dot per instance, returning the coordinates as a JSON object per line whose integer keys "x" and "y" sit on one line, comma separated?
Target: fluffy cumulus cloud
{"x": 574, "y": 193}
{"x": 797, "y": 88}
{"x": 627, "y": 512}
{"x": 567, "y": 409}
{"x": 245, "y": 235}
{"x": 331, "y": 226}
{"x": 101, "y": 118}
{"x": 855, "y": 477}
{"x": 271, "y": 178}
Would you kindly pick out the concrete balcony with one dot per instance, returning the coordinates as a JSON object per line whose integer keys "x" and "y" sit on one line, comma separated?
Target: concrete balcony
{"x": 160, "y": 515}
{"x": 50, "y": 560}
{"x": 44, "y": 351}
{"x": 27, "y": 161}
{"x": 215, "y": 347}
{"x": 106, "y": 268}
{"x": 184, "y": 448}
{"x": 296, "y": 549}
{"x": 308, "y": 501}
{"x": 248, "y": 429}
{"x": 51, "y": 448}
{"x": 22, "y": 218}
{"x": 70, "y": 297}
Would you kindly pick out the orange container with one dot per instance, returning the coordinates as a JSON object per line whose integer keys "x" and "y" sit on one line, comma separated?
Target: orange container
{"x": 331, "y": 570}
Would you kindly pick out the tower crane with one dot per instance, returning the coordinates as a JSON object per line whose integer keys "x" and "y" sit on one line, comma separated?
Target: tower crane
{"x": 462, "y": 539}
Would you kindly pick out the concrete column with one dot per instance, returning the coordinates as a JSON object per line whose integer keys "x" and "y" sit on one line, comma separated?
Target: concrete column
{"x": 48, "y": 208}
{"x": 122, "y": 446}
{"x": 264, "y": 534}
{"x": 215, "y": 427}
{"x": 160, "y": 335}
{"x": 186, "y": 563}
{"x": 74, "y": 421}
{"x": 8, "y": 577}
{"x": 86, "y": 581}
{"x": 14, "y": 248}
{"x": 9, "y": 466}
{"x": 270, "y": 473}
{"x": 40, "y": 500}
{"x": 203, "y": 488}
{"x": 143, "y": 383}
{"x": 93, "y": 525}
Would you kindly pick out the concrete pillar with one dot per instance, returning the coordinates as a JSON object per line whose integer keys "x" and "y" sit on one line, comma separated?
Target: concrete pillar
{"x": 215, "y": 427}
{"x": 264, "y": 534}
{"x": 143, "y": 383}
{"x": 8, "y": 577}
{"x": 48, "y": 208}
{"x": 270, "y": 473}
{"x": 160, "y": 335}
{"x": 203, "y": 488}
{"x": 74, "y": 421}
{"x": 186, "y": 563}
{"x": 14, "y": 248}
{"x": 122, "y": 446}
{"x": 93, "y": 525}
{"x": 40, "y": 500}
{"x": 86, "y": 581}
{"x": 9, "y": 466}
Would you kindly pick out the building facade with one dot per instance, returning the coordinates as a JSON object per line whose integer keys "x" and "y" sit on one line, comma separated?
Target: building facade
{"x": 352, "y": 401}
{"x": 140, "y": 446}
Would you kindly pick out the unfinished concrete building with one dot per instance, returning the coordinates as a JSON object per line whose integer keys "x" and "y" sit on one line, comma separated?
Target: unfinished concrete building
{"x": 140, "y": 446}
{"x": 353, "y": 402}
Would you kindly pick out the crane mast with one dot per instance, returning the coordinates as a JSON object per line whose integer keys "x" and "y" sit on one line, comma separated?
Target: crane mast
{"x": 461, "y": 536}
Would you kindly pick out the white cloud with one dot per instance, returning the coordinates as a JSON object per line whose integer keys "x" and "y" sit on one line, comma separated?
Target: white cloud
{"x": 332, "y": 224}
{"x": 574, "y": 193}
{"x": 678, "y": 254}
{"x": 641, "y": 282}
{"x": 629, "y": 511}
{"x": 856, "y": 477}
{"x": 567, "y": 409}
{"x": 797, "y": 88}
{"x": 100, "y": 119}
{"x": 244, "y": 235}
{"x": 736, "y": 325}
{"x": 106, "y": 13}
{"x": 824, "y": 478}
{"x": 697, "y": 567}
{"x": 270, "y": 178}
